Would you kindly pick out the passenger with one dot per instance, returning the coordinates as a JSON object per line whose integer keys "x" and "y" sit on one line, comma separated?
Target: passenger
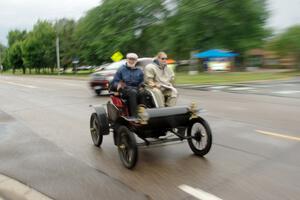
{"x": 127, "y": 81}
{"x": 159, "y": 78}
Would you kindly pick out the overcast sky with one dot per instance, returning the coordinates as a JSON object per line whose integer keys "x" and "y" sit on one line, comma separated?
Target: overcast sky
{"x": 23, "y": 14}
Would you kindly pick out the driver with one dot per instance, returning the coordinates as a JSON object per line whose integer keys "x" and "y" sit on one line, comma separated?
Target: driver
{"x": 127, "y": 81}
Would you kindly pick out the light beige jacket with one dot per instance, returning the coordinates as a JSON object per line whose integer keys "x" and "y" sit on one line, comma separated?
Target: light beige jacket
{"x": 158, "y": 75}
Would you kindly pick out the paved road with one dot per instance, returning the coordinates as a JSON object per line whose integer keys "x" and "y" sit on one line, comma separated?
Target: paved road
{"x": 40, "y": 164}
{"x": 254, "y": 156}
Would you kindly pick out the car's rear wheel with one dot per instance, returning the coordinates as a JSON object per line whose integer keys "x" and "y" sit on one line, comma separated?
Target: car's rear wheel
{"x": 95, "y": 129}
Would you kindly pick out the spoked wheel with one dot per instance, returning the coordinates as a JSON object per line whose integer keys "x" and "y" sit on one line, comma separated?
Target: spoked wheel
{"x": 127, "y": 147}
{"x": 201, "y": 137}
{"x": 95, "y": 128}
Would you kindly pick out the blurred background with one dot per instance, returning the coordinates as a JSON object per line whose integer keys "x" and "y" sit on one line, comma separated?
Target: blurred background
{"x": 197, "y": 35}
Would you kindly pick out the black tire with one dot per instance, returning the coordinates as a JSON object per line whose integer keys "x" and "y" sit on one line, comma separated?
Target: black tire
{"x": 98, "y": 92}
{"x": 201, "y": 137}
{"x": 127, "y": 147}
{"x": 95, "y": 129}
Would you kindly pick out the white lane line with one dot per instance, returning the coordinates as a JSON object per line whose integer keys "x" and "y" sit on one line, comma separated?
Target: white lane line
{"x": 219, "y": 87}
{"x": 22, "y": 85}
{"x": 196, "y": 86}
{"x": 287, "y": 92}
{"x": 241, "y": 88}
{"x": 197, "y": 193}
{"x": 278, "y": 135}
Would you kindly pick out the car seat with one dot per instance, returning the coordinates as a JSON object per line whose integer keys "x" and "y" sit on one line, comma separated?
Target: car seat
{"x": 147, "y": 98}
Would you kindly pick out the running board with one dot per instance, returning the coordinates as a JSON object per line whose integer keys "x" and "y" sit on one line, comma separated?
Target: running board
{"x": 159, "y": 141}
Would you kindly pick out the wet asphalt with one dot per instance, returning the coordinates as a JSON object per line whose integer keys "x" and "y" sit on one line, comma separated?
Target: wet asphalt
{"x": 42, "y": 165}
{"x": 45, "y": 143}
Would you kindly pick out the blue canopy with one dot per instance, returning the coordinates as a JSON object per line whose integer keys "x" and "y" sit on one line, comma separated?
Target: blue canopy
{"x": 215, "y": 53}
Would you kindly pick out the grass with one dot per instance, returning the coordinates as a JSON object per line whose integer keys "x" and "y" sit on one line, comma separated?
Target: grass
{"x": 231, "y": 77}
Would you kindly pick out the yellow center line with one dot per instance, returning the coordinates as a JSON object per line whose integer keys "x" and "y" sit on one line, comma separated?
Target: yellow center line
{"x": 278, "y": 135}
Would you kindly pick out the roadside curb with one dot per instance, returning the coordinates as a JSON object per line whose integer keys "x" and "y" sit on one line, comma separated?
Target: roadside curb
{"x": 14, "y": 190}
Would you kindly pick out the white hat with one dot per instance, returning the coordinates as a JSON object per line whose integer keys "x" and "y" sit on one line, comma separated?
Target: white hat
{"x": 132, "y": 55}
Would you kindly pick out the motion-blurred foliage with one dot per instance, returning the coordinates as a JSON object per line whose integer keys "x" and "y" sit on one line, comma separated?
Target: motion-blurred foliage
{"x": 145, "y": 27}
{"x": 287, "y": 43}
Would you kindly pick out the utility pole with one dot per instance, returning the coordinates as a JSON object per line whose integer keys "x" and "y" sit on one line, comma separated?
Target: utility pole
{"x": 57, "y": 55}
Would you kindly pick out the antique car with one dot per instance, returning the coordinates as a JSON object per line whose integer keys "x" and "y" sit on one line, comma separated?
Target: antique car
{"x": 150, "y": 126}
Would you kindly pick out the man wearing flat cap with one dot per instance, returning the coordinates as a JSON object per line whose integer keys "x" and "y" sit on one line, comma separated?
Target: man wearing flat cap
{"x": 127, "y": 81}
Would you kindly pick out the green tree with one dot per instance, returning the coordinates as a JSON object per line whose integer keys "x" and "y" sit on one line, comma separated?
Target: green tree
{"x": 15, "y": 36}
{"x": 202, "y": 24}
{"x": 5, "y": 59}
{"x": 15, "y": 56}
{"x": 39, "y": 47}
{"x": 32, "y": 54}
{"x": 2, "y": 48}
{"x": 2, "y": 51}
{"x": 115, "y": 25}
{"x": 287, "y": 43}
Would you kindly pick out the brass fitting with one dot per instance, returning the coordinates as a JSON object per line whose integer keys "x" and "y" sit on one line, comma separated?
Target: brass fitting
{"x": 142, "y": 114}
{"x": 193, "y": 109}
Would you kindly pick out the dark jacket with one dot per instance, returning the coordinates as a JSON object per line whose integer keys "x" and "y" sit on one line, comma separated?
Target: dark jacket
{"x": 133, "y": 77}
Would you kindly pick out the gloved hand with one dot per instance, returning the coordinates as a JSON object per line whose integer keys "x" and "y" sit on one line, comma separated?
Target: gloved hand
{"x": 121, "y": 85}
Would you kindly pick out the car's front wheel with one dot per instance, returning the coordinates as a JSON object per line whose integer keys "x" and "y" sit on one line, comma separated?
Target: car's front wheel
{"x": 127, "y": 147}
{"x": 200, "y": 137}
